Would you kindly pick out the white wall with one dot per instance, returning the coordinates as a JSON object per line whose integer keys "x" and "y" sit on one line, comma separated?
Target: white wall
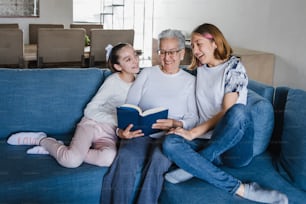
{"x": 276, "y": 26}
{"x": 51, "y": 11}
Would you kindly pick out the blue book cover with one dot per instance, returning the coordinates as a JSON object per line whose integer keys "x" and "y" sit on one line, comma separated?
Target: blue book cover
{"x": 131, "y": 114}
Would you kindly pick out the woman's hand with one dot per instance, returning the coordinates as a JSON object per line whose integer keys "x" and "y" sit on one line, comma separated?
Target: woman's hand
{"x": 181, "y": 132}
{"x": 128, "y": 134}
{"x": 166, "y": 124}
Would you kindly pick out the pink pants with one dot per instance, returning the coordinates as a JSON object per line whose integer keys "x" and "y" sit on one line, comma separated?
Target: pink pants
{"x": 93, "y": 143}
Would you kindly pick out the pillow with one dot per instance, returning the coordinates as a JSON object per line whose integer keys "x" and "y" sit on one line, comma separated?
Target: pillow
{"x": 293, "y": 145}
{"x": 263, "y": 117}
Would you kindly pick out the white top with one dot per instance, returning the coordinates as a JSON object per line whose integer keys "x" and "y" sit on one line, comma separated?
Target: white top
{"x": 154, "y": 88}
{"x": 214, "y": 82}
{"x": 112, "y": 93}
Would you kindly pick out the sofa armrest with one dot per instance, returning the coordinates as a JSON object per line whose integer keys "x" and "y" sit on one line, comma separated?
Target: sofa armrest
{"x": 279, "y": 104}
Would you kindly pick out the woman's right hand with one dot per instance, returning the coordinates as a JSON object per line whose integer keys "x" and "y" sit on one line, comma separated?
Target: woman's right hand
{"x": 128, "y": 134}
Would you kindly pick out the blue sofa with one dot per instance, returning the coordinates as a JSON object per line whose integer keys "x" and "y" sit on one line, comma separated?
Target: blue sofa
{"x": 52, "y": 100}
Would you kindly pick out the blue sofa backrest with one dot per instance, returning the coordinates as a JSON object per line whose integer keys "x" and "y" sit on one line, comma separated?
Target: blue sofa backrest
{"x": 29, "y": 98}
{"x": 263, "y": 90}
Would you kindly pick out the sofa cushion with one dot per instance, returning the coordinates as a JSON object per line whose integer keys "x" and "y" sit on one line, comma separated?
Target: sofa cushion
{"x": 260, "y": 170}
{"x": 293, "y": 151}
{"x": 263, "y": 117}
{"x": 28, "y": 178}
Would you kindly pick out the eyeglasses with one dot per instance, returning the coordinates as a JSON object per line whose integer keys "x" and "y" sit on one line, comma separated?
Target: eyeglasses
{"x": 171, "y": 53}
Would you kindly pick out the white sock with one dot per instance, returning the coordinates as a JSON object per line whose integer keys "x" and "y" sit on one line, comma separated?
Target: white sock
{"x": 254, "y": 192}
{"x": 39, "y": 149}
{"x": 26, "y": 138}
{"x": 177, "y": 176}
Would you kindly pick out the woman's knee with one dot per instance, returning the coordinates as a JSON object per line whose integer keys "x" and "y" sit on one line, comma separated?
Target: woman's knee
{"x": 238, "y": 113}
{"x": 238, "y": 110}
{"x": 170, "y": 144}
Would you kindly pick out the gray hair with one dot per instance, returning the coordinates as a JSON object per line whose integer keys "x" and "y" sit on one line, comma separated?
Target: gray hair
{"x": 171, "y": 33}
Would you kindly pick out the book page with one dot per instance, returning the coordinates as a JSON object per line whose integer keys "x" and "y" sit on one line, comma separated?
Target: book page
{"x": 146, "y": 112}
{"x": 133, "y": 107}
{"x": 153, "y": 110}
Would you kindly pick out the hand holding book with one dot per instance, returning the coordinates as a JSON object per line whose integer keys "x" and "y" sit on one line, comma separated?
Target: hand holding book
{"x": 128, "y": 134}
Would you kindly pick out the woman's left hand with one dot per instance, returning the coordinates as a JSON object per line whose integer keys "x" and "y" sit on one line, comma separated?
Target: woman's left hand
{"x": 181, "y": 132}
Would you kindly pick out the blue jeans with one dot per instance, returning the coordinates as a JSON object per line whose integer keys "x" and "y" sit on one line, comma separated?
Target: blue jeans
{"x": 231, "y": 145}
{"x": 137, "y": 173}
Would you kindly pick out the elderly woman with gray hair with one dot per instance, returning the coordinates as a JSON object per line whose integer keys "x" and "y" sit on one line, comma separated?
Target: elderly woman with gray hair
{"x": 165, "y": 86}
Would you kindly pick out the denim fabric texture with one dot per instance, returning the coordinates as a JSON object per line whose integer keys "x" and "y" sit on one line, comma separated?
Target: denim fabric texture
{"x": 122, "y": 184}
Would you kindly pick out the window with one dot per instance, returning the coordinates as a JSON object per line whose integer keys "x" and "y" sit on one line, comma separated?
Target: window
{"x": 86, "y": 11}
{"x": 120, "y": 14}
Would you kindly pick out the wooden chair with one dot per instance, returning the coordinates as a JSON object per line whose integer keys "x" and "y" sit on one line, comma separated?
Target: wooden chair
{"x": 60, "y": 47}
{"x": 33, "y": 30}
{"x": 11, "y": 48}
{"x": 9, "y": 25}
{"x": 100, "y": 38}
{"x": 87, "y": 27}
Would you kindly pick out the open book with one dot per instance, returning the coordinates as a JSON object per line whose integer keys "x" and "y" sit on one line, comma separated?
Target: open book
{"x": 132, "y": 114}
